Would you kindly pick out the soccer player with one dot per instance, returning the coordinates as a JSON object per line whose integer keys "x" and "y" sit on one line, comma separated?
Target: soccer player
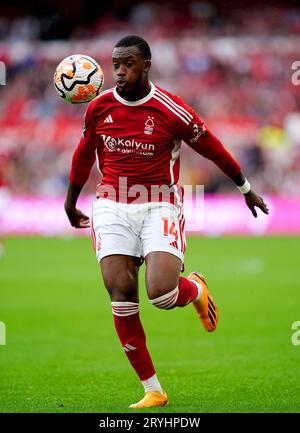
{"x": 134, "y": 130}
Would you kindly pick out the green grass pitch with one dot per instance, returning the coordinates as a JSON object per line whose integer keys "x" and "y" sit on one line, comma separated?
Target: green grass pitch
{"x": 62, "y": 353}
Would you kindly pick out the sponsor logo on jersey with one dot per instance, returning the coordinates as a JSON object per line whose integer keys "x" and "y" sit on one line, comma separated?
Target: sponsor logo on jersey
{"x": 109, "y": 142}
{"x": 127, "y": 145}
{"x": 197, "y": 132}
{"x": 149, "y": 126}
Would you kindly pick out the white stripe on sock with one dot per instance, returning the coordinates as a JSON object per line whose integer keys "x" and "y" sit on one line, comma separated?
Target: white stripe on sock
{"x": 166, "y": 300}
{"x": 124, "y": 308}
{"x": 200, "y": 289}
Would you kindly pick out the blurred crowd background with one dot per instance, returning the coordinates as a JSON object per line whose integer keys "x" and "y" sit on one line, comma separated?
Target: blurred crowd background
{"x": 233, "y": 65}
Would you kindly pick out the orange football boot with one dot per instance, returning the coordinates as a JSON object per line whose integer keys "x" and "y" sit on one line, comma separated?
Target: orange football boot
{"x": 151, "y": 399}
{"x": 205, "y": 307}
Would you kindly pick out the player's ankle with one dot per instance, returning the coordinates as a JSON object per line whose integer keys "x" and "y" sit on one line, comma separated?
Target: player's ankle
{"x": 200, "y": 290}
{"x": 152, "y": 384}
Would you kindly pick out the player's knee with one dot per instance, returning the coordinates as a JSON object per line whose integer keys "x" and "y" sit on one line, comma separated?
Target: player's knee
{"x": 157, "y": 286}
{"x": 164, "y": 299}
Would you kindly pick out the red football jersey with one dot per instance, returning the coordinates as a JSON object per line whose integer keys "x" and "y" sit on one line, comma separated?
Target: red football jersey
{"x": 138, "y": 143}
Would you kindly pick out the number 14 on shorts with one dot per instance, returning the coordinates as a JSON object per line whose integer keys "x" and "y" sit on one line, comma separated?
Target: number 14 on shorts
{"x": 169, "y": 229}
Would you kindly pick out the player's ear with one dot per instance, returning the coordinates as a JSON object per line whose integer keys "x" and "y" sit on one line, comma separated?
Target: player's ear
{"x": 147, "y": 65}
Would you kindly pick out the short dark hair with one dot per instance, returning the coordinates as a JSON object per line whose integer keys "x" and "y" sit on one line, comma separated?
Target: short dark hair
{"x": 135, "y": 41}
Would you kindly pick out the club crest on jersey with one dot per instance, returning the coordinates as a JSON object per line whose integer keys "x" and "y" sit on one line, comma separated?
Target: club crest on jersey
{"x": 149, "y": 125}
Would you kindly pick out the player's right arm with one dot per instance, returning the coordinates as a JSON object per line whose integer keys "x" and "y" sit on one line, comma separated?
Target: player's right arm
{"x": 82, "y": 162}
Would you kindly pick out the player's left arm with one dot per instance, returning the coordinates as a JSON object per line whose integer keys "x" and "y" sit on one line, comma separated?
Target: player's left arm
{"x": 252, "y": 199}
{"x": 200, "y": 138}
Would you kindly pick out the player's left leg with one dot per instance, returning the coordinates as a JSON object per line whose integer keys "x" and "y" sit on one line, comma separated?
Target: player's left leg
{"x": 163, "y": 240}
{"x": 167, "y": 289}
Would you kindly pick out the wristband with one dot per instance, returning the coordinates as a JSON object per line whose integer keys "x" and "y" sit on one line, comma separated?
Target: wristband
{"x": 245, "y": 188}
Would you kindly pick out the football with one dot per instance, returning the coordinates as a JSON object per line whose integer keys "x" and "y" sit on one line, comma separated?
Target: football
{"x": 78, "y": 79}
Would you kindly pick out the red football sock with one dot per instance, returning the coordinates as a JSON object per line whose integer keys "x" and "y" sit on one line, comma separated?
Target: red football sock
{"x": 187, "y": 292}
{"x": 132, "y": 337}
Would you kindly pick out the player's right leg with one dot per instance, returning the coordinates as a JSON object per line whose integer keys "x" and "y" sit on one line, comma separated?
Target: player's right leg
{"x": 118, "y": 250}
{"x": 120, "y": 275}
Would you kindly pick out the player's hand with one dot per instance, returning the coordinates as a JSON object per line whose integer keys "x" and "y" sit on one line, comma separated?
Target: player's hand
{"x": 254, "y": 200}
{"x": 77, "y": 218}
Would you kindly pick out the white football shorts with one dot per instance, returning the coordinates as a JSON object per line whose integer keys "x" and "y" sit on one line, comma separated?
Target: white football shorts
{"x": 137, "y": 229}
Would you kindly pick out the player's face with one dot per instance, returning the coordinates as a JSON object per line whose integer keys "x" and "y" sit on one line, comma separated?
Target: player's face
{"x": 130, "y": 69}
